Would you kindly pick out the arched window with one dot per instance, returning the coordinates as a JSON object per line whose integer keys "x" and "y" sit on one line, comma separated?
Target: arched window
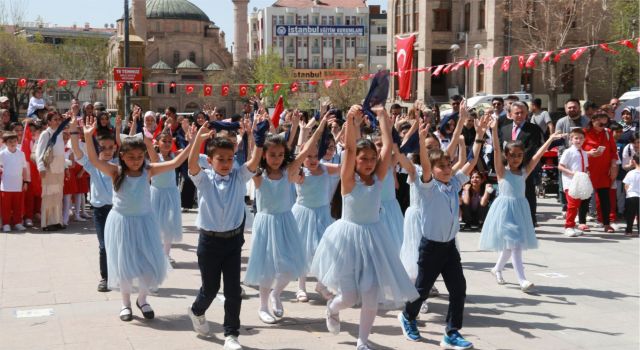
{"x": 192, "y": 57}
{"x": 176, "y": 58}
{"x": 160, "y": 88}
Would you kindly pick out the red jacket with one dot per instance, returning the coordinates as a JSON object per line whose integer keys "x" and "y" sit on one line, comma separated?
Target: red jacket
{"x": 599, "y": 167}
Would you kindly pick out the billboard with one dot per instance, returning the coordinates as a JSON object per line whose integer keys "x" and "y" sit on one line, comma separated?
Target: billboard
{"x": 313, "y": 74}
{"x": 128, "y": 74}
{"x": 317, "y": 30}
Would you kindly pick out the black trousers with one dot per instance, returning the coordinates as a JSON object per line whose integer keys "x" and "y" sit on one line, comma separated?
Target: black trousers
{"x": 437, "y": 258}
{"x": 530, "y": 194}
{"x": 402, "y": 193}
{"x": 100, "y": 220}
{"x": 631, "y": 207}
{"x": 187, "y": 192}
{"x": 220, "y": 257}
{"x": 473, "y": 217}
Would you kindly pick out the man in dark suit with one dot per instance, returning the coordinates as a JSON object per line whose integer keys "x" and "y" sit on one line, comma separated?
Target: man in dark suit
{"x": 531, "y": 136}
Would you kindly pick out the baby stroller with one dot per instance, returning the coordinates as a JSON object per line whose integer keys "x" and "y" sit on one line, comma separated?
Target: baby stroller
{"x": 549, "y": 174}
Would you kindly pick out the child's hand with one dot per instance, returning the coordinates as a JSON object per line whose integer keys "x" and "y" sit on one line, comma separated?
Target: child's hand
{"x": 557, "y": 135}
{"x": 204, "y": 133}
{"x": 118, "y": 123}
{"x": 423, "y": 130}
{"x": 90, "y": 127}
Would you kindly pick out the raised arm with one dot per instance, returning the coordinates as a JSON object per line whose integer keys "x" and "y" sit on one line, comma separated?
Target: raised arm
{"x": 151, "y": 151}
{"x": 536, "y": 157}
{"x": 455, "y": 139}
{"x": 295, "y": 124}
{"x": 159, "y": 168}
{"x": 462, "y": 155}
{"x": 194, "y": 153}
{"x": 481, "y": 126}
{"x": 347, "y": 172}
{"x": 424, "y": 153}
{"x": 107, "y": 168}
{"x": 387, "y": 142}
{"x": 404, "y": 162}
{"x": 257, "y": 149}
{"x": 497, "y": 149}
{"x": 293, "y": 168}
{"x": 75, "y": 143}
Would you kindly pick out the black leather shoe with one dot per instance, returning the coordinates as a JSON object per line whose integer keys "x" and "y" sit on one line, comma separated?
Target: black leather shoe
{"x": 103, "y": 287}
{"x": 149, "y": 314}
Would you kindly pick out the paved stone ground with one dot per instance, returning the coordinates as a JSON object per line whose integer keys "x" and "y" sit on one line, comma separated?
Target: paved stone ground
{"x": 586, "y": 298}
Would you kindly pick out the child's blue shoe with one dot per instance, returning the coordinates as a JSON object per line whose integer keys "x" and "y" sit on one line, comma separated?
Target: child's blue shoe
{"x": 455, "y": 341}
{"x": 409, "y": 328}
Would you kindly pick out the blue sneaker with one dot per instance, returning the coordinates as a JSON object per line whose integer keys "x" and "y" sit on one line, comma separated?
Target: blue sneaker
{"x": 409, "y": 328}
{"x": 455, "y": 341}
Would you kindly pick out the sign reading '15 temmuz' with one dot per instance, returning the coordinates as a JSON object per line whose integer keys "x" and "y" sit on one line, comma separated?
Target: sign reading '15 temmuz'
{"x": 306, "y": 30}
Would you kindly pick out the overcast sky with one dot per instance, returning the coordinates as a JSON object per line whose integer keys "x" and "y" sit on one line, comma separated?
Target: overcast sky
{"x": 100, "y": 12}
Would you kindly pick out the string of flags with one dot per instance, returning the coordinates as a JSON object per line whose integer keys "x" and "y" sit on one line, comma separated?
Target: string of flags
{"x": 523, "y": 60}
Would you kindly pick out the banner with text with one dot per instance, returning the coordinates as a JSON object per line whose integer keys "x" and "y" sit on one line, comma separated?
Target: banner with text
{"x": 318, "y": 30}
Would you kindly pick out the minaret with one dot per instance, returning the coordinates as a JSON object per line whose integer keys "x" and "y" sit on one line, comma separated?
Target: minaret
{"x": 241, "y": 27}
{"x": 139, "y": 16}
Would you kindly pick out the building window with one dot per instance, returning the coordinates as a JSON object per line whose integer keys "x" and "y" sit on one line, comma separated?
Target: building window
{"x": 481, "y": 14}
{"x": 280, "y": 19}
{"x": 339, "y": 20}
{"x": 526, "y": 80}
{"x": 330, "y": 20}
{"x": 442, "y": 16}
{"x": 315, "y": 62}
{"x": 157, "y": 26}
{"x": 177, "y": 26}
{"x": 338, "y": 43}
{"x": 326, "y": 42}
{"x": 326, "y": 63}
{"x": 302, "y": 63}
{"x": 381, "y": 30}
{"x": 480, "y": 78}
{"x": 172, "y": 87}
{"x": 315, "y": 20}
{"x": 398, "y": 17}
{"x": 323, "y": 21}
{"x": 192, "y": 57}
{"x": 416, "y": 16}
{"x": 339, "y": 63}
{"x": 160, "y": 88}
{"x": 381, "y": 50}
{"x": 290, "y": 20}
{"x": 176, "y": 58}
{"x": 467, "y": 17}
{"x": 406, "y": 17}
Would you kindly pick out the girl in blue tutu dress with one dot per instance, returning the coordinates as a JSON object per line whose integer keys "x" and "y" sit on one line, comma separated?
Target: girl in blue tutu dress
{"x": 357, "y": 258}
{"x": 277, "y": 251}
{"x": 312, "y": 211}
{"x": 165, "y": 196}
{"x": 508, "y": 228}
{"x": 132, "y": 237}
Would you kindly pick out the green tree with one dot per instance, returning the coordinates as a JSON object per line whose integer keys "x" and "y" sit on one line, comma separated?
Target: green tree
{"x": 269, "y": 69}
{"x": 344, "y": 94}
{"x": 81, "y": 59}
{"x": 626, "y": 65}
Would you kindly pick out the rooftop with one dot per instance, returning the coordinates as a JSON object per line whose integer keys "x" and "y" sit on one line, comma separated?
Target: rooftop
{"x": 320, "y": 3}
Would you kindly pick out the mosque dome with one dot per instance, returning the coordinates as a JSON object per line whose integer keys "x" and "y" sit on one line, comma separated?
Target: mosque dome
{"x": 175, "y": 9}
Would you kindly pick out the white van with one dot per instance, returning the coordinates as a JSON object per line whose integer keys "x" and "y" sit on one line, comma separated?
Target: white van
{"x": 477, "y": 101}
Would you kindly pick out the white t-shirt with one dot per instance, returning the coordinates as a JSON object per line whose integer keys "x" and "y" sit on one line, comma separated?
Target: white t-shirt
{"x": 571, "y": 160}
{"x": 627, "y": 154}
{"x": 633, "y": 180}
{"x": 12, "y": 165}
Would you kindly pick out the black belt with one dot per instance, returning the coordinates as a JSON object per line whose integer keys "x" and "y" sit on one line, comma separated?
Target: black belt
{"x": 226, "y": 234}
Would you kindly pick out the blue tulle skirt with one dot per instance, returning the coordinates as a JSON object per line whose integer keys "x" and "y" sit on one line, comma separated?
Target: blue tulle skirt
{"x": 276, "y": 249}
{"x": 312, "y": 222}
{"x": 358, "y": 257}
{"x": 411, "y": 242}
{"x": 391, "y": 215}
{"x": 134, "y": 250}
{"x": 508, "y": 225}
{"x": 165, "y": 203}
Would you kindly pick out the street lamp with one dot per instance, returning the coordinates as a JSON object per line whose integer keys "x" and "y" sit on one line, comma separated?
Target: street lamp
{"x": 454, "y": 49}
{"x": 126, "y": 59}
{"x": 476, "y": 47}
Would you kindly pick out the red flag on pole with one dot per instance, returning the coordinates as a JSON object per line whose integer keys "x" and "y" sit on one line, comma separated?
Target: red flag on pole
{"x": 327, "y": 83}
{"x": 208, "y": 89}
{"x": 547, "y": 56}
{"x": 506, "y": 63}
{"x": 189, "y": 89}
{"x": 224, "y": 90}
{"x": 26, "y": 143}
{"x": 404, "y": 60}
{"x": 136, "y": 86}
{"x": 578, "y": 53}
{"x": 243, "y": 89}
{"x": 22, "y": 82}
{"x": 531, "y": 60}
{"x": 259, "y": 88}
{"x": 275, "y": 118}
{"x": 119, "y": 85}
{"x": 559, "y": 54}
{"x": 276, "y": 88}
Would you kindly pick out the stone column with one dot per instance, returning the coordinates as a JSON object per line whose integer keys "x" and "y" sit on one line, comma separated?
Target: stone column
{"x": 241, "y": 27}
{"x": 139, "y": 16}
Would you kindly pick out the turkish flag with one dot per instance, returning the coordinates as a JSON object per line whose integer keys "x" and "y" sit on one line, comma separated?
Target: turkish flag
{"x": 578, "y": 53}
{"x": 243, "y": 90}
{"x": 404, "y": 61}
{"x": 438, "y": 70}
{"x": 275, "y": 118}
{"x": 344, "y": 82}
{"x": 626, "y": 43}
{"x": 3, "y": 80}
{"x": 531, "y": 60}
{"x": 119, "y": 85}
{"x": 521, "y": 61}
{"x": 259, "y": 88}
{"x": 294, "y": 87}
{"x": 327, "y": 83}
{"x": 22, "y": 82}
{"x": 313, "y": 82}
{"x": 41, "y": 82}
{"x": 172, "y": 85}
{"x": 447, "y": 68}
{"x": 136, "y": 86}
{"x": 100, "y": 84}
{"x": 276, "y": 88}
{"x": 559, "y": 54}
{"x": 189, "y": 89}
{"x": 63, "y": 82}
{"x": 208, "y": 90}
{"x": 547, "y": 56}
{"x": 492, "y": 62}
{"x": 224, "y": 91}
{"x": 83, "y": 83}
{"x": 506, "y": 63}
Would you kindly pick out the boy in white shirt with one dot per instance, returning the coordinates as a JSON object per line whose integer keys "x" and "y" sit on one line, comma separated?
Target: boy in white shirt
{"x": 632, "y": 186}
{"x": 15, "y": 179}
{"x": 573, "y": 160}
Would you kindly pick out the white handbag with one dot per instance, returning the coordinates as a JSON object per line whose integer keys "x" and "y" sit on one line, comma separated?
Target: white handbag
{"x": 581, "y": 187}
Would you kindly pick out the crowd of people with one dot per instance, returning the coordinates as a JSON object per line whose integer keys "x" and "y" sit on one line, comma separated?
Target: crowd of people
{"x": 369, "y": 202}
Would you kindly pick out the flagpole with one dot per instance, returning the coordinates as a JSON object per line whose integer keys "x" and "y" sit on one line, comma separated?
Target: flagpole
{"x": 126, "y": 59}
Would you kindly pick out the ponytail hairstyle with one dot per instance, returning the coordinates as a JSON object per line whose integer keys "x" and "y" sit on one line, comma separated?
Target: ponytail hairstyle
{"x": 272, "y": 141}
{"x": 164, "y": 133}
{"x": 128, "y": 144}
